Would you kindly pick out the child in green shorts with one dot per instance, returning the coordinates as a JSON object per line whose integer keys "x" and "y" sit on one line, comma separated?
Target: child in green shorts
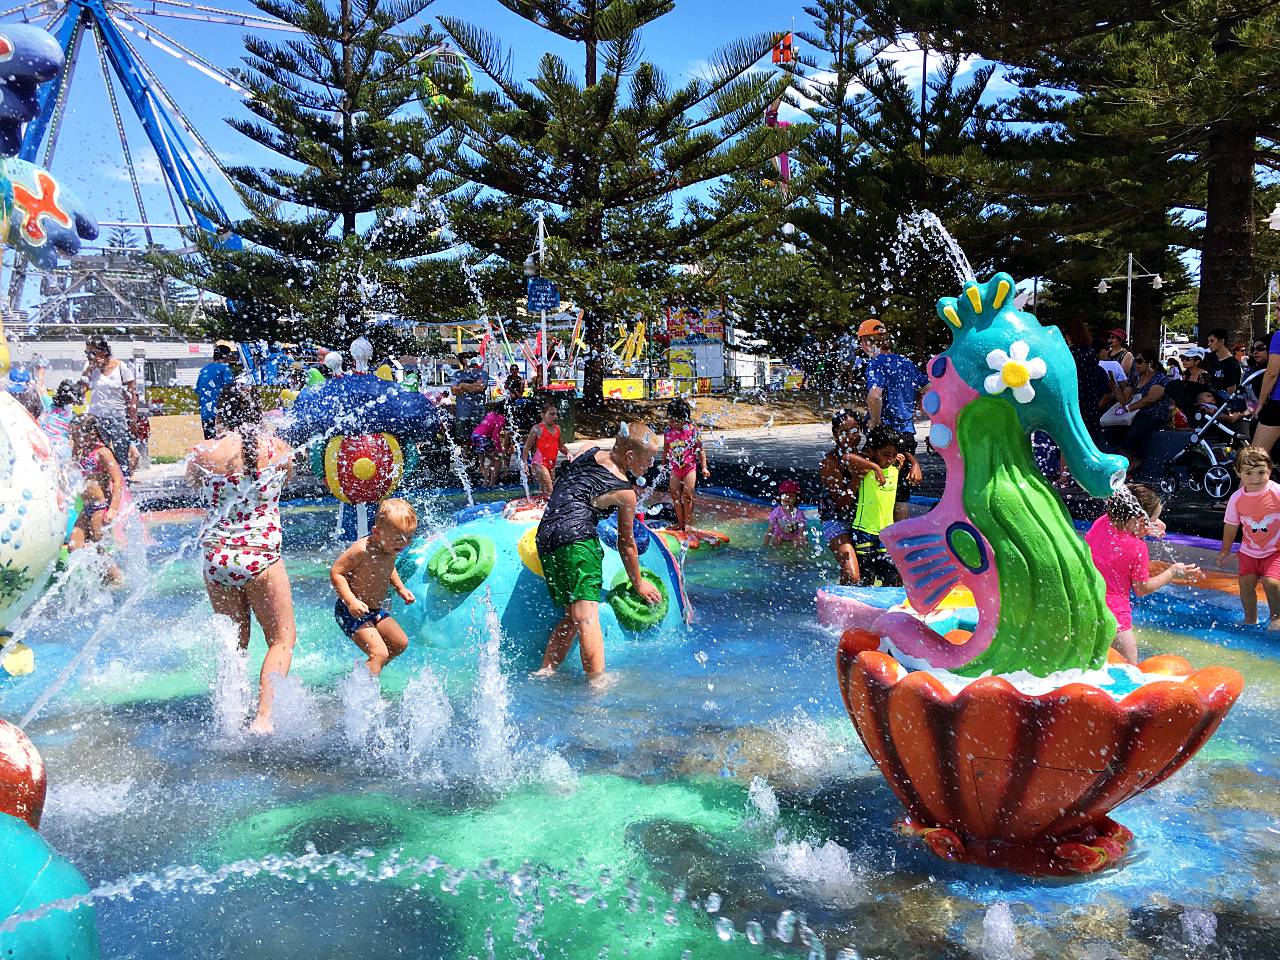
{"x": 594, "y": 485}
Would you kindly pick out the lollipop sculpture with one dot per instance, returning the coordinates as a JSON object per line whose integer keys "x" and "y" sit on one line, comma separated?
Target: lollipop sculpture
{"x": 1001, "y": 588}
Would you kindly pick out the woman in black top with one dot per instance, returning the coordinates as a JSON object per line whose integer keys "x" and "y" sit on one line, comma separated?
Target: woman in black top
{"x": 1117, "y": 351}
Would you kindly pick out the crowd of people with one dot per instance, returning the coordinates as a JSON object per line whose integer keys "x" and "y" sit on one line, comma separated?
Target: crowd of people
{"x": 865, "y": 482}
{"x": 1126, "y": 395}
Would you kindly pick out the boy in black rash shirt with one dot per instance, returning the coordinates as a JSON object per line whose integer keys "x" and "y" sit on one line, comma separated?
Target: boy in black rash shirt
{"x": 595, "y": 484}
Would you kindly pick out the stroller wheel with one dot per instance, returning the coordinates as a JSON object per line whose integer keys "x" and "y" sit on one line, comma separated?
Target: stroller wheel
{"x": 1217, "y": 482}
{"x": 1167, "y": 486}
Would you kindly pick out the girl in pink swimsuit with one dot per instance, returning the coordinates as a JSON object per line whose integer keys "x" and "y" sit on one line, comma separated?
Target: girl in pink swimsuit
{"x": 684, "y": 456}
{"x": 1120, "y": 554}
{"x": 242, "y": 473}
{"x": 787, "y": 522}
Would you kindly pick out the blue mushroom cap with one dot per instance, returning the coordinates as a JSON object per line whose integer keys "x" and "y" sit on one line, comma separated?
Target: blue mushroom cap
{"x": 361, "y": 403}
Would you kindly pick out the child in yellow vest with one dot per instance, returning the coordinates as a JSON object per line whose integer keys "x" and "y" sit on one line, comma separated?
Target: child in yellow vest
{"x": 875, "y": 510}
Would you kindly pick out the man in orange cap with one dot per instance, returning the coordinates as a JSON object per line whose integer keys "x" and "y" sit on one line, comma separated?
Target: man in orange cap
{"x": 893, "y": 383}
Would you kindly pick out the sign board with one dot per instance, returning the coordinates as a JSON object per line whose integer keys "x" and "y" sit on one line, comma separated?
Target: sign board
{"x": 681, "y": 360}
{"x": 687, "y": 323}
{"x": 624, "y": 388}
{"x": 664, "y": 389}
{"x": 543, "y": 295}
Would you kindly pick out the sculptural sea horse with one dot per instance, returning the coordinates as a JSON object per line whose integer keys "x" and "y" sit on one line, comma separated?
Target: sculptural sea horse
{"x": 1000, "y": 529}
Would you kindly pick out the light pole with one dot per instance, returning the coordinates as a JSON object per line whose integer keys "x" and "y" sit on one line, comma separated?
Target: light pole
{"x": 531, "y": 269}
{"x": 1128, "y": 277}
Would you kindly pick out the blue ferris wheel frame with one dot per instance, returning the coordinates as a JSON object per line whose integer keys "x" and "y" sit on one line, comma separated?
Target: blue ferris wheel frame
{"x": 175, "y": 156}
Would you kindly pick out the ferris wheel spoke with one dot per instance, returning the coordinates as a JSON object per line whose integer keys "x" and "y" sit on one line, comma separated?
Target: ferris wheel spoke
{"x": 161, "y": 95}
{"x": 26, "y": 6}
{"x": 162, "y": 41}
{"x": 124, "y": 141}
{"x": 207, "y": 14}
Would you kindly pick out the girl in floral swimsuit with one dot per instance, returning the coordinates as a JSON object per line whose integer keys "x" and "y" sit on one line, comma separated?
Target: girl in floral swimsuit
{"x": 242, "y": 474}
{"x": 684, "y": 456}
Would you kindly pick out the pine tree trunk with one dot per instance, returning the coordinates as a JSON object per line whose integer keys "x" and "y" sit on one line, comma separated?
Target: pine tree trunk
{"x": 593, "y": 334}
{"x": 593, "y": 331}
{"x": 349, "y": 213}
{"x": 1226, "y": 262}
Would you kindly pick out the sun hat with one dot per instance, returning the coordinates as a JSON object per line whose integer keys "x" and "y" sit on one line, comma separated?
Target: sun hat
{"x": 789, "y": 486}
{"x": 1118, "y": 334}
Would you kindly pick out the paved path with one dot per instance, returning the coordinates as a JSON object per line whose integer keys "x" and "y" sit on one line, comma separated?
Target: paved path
{"x": 755, "y": 460}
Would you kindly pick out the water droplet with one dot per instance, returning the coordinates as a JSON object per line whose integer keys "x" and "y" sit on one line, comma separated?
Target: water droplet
{"x": 755, "y": 932}
{"x": 724, "y": 929}
{"x": 713, "y": 902}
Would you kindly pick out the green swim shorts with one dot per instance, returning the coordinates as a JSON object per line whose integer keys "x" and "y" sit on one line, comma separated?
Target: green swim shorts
{"x": 574, "y": 572}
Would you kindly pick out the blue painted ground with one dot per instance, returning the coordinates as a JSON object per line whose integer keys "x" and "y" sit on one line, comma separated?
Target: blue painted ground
{"x": 469, "y": 758}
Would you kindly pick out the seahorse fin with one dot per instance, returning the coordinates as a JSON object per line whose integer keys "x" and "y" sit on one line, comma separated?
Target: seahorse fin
{"x": 929, "y": 569}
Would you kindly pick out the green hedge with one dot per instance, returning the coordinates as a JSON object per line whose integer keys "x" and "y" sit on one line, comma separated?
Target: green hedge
{"x": 175, "y": 401}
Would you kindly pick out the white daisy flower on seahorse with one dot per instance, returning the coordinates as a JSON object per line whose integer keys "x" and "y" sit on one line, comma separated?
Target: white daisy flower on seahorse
{"x": 1015, "y": 370}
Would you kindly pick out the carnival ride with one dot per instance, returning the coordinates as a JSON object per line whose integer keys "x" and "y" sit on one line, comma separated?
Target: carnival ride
{"x": 118, "y": 30}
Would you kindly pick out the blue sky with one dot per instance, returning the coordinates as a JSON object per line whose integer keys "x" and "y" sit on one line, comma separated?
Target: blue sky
{"x": 89, "y": 159}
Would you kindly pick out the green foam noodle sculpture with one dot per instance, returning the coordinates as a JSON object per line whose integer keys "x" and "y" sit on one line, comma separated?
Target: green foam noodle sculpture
{"x": 631, "y": 609}
{"x": 464, "y": 563}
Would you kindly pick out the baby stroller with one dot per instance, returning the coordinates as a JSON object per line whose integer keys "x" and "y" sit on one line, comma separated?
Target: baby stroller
{"x": 1203, "y": 464}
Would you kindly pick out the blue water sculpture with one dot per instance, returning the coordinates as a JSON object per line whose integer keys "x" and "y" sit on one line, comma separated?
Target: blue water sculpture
{"x": 494, "y": 557}
{"x": 33, "y": 875}
{"x": 42, "y": 219}
{"x": 358, "y": 404}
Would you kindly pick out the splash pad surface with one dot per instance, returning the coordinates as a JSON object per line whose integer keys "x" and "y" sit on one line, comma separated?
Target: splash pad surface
{"x": 716, "y": 785}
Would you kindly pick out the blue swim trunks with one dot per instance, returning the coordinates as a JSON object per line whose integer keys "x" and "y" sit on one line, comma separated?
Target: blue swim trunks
{"x": 350, "y": 624}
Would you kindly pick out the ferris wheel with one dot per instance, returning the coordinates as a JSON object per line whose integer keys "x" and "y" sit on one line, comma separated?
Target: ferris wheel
{"x": 118, "y": 31}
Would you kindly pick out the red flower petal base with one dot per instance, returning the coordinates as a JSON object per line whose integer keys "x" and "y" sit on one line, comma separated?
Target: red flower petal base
{"x": 22, "y": 780}
{"x": 1088, "y": 850}
{"x": 995, "y": 776}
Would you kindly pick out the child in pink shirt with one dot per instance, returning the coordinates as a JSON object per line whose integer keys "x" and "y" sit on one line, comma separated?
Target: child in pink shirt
{"x": 1115, "y": 540}
{"x": 1255, "y": 510}
{"x": 489, "y": 445}
{"x": 787, "y": 522}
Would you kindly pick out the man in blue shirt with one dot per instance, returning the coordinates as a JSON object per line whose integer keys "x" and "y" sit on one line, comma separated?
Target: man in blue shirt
{"x": 893, "y": 382}
{"x": 213, "y": 377}
{"x": 470, "y": 389}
